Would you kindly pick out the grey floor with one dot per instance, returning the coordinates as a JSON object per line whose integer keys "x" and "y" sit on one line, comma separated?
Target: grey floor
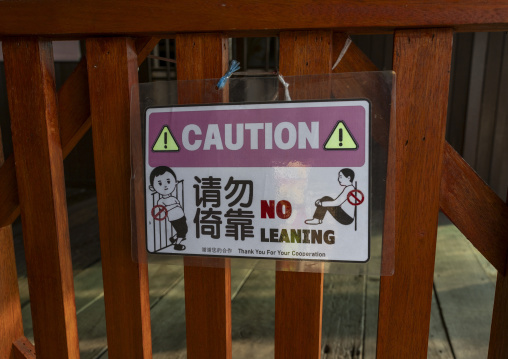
{"x": 464, "y": 285}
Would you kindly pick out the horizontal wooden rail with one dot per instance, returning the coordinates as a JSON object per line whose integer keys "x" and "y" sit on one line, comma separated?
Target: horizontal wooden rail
{"x": 74, "y": 120}
{"x": 23, "y": 349}
{"x": 75, "y": 18}
{"x": 474, "y": 208}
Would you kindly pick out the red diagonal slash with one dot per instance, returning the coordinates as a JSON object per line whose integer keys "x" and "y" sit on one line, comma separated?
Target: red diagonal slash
{"x": 357, "y": 195}
{"x": 159, "y": 212}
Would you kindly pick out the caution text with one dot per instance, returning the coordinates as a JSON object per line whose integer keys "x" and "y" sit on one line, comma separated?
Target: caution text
{"x": 284, "y": 135}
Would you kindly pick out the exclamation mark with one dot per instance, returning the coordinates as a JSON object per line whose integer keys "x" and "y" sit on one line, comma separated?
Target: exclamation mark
{"x": 166, "y": 139}
{"x": 340, "y": 137}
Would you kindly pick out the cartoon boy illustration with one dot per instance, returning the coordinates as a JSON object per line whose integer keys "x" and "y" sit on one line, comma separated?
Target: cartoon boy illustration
{"x": 339, "y": 207}
{"x": 163, "y": 181}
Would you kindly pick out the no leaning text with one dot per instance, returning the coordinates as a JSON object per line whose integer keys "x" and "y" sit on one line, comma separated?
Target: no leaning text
{"x": 309, "y": 236}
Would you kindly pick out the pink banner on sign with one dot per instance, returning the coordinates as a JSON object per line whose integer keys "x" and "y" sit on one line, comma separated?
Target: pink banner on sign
{"x": 258, "y": 136}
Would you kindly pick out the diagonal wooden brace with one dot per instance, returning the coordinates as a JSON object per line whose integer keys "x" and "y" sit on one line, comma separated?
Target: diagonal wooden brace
{"x": 474, "y": 208}
{"x": 465, "y": 198}
{"x": 74, "y": 122}
{"x": 23, "y": 349}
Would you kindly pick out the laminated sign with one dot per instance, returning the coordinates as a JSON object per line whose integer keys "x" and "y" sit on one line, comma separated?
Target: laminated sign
{"x": 273, "y": 180}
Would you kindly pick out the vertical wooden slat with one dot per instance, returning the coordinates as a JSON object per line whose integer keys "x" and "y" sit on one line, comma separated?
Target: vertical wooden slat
{"x": 40, "y": 176}
{"x": 422, "y": 61}
{"x": 112, "y": 70}
{"x": 299, "y": 296}
{"x": 10, "y": 314}
{"x": 305, "y": 52}
{"x": 498, "y": 345}
{"x": 73, "y": 113}
{"x": 207, "y": 280}
{"x": 12, "y": 326}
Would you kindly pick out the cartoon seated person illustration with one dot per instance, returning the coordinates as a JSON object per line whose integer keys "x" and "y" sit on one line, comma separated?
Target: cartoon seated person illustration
{"x": 339, "y": 208}
{"x": 163, "y": 181}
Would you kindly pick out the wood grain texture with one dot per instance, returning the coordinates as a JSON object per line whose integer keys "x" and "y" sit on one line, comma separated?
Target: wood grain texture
{"x": 298, "y": 49}
{"x": 144, "y": 46}
{"x": 353, "y": 60}
{"x": 9, "y": 197}
{"x": 92, "y": 317}
{"x": 12, "y": 326}
{"x": 150, "y": 16}
{"x": 298, "y": 314}
{"x": 474, "y": 208}
{"x": 498, "y": 345}
{"x": 305, "y": 52}
{"x": 39, "y": 171}
{"x": 207, "y": 280}
{"x": 112, "y": 71}
{"x": 299, "y": 296}
{"x": 208, "y": 307}
{"x": 74, "y": 122}
{"x": 23, "y": 349}
{"x": 422, "y": 61}
{"x": 201, "y": 57}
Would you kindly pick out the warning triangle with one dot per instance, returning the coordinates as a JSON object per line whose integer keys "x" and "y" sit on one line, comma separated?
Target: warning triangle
{"x": 165, "y": 142}
{"x": 341, "y": 139}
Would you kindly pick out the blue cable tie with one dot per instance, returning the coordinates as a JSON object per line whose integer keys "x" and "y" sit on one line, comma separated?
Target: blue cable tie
{"x": 233, "y": 66}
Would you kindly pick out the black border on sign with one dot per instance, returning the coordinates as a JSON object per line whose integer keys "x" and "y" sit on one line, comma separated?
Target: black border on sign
{"x": 369, "y": 117}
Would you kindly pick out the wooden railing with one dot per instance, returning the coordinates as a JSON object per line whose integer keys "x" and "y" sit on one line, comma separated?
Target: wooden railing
{"x": 425, "y": 173}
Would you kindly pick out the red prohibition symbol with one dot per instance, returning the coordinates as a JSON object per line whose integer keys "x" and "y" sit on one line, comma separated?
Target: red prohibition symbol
{"x": 355, "y": 197}
{"x": 159, "y": 212}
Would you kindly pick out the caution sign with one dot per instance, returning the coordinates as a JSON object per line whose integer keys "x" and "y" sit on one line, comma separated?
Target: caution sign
{"x": 276, "y": 180}
{"x": 165, "y": 141}
{"x": 341, "y": 139}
